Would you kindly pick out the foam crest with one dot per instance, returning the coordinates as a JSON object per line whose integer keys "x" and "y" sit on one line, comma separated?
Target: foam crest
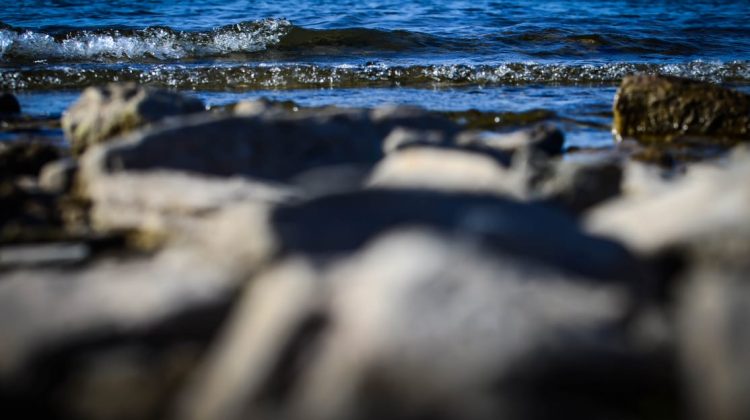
{"x": 157, "y": 43}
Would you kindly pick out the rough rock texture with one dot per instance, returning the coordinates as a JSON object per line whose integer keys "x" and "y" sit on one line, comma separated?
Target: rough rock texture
{"x": 9, "y": 104}
{"x": 667, "y": 109}
{"x": 102, "y": 113}
{"x": 419, "y": 325}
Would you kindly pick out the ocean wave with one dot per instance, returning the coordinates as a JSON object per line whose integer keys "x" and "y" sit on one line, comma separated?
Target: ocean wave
{"x": 152, "y": 43}
{"x": 252, "y": 39}
{"x": 305, "y": 76}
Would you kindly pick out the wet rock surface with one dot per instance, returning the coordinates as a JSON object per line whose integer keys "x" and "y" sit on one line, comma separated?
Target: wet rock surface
{"x": 669, "y": 109}
{"x": 268, "y": 261}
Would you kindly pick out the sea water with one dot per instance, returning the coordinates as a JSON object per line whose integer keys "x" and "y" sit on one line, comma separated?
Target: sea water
{"x": 562, "y": 57}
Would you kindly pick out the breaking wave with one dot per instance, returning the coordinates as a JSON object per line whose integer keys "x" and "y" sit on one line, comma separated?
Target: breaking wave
{"x": 251, "y": 39}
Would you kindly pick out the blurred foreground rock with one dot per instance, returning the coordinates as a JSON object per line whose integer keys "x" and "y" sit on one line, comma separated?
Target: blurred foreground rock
{"x": 420, "y": 325}
{"x": 117, "y": 108}
{"x": 698, "y": 226}
{"x": 270, "y": 261}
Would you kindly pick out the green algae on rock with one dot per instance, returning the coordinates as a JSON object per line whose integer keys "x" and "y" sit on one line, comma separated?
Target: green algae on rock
{"x": 665, "y": 109}
{"x": 117, "y": 108}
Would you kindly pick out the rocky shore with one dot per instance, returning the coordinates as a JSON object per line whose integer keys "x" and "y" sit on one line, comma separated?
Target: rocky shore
{"x": 268, "y": 261}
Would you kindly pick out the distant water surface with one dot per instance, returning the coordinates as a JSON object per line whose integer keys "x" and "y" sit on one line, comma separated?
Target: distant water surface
{"x": 499, "y": 56}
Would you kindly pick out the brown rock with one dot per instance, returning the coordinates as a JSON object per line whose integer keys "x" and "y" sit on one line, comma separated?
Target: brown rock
{"x": 668, "y": 109}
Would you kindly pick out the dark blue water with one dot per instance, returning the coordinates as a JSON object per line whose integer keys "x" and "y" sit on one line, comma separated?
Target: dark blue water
{"x": 501, "y": 56}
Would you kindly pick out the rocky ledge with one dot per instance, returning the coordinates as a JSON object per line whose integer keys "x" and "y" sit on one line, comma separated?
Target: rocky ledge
{"x": 271, "y": 261}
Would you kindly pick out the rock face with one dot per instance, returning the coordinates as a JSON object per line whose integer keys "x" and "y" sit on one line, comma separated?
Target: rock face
{"x": 419, "y": 325}
{"x": 9, "y": 104}
{"x": 666, "y": 109}
{"x": 102, "y": 113}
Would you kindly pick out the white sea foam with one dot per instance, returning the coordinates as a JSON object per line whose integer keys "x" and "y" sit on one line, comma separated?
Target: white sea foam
{"x": 152, "y": 43}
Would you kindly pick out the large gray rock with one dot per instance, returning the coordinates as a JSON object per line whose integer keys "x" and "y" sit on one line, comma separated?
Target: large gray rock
{"x": 419, "y": 325}
{"x": 268, "y": 145}
{"x": 663, "y": 109}
{"x": 102, "y": 113}
{"x": 274, "y": 147}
